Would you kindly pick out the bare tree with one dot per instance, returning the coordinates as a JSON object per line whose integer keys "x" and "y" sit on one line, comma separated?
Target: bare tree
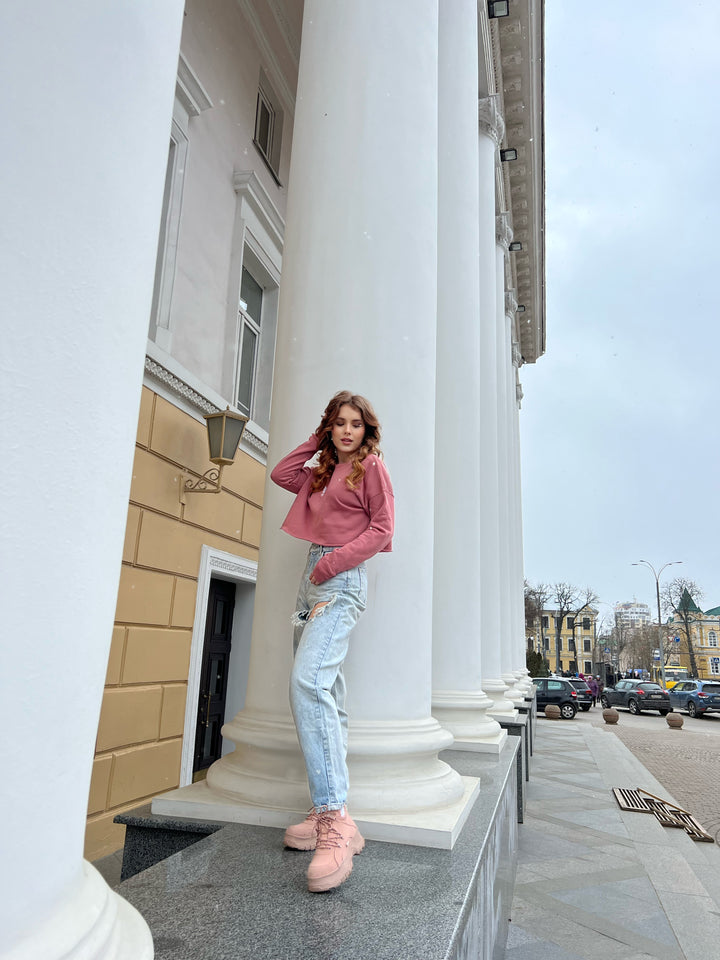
{"x": 536, "y": 598}
{"x": 680, "y": 599}
{"x": 565, "y": 597}
{"x": 586, "y": 599}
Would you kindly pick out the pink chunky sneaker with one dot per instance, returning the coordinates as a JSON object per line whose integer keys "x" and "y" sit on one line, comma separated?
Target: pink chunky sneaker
{"x": 302, "y": 836}
{"x": 338, "y": 840}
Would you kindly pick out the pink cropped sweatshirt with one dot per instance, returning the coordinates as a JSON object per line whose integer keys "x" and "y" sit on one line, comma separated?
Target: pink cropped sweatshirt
{"x": 358, "y": 522}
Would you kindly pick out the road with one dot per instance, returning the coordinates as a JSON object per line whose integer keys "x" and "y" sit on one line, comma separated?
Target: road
{"x": 685, "y": 761}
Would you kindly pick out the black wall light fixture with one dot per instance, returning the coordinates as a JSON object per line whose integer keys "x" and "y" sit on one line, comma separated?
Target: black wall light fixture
{"x": 498, "y": 8}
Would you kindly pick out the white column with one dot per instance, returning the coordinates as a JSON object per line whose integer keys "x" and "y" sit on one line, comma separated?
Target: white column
{"x": 459, "y": 702}
{"x": 88, "y": 119}
{"x": 488, "y": 490}
{"x": 520, "y": 644}
{"x": 505, "y": 380}
{"x": 358, "y": 311}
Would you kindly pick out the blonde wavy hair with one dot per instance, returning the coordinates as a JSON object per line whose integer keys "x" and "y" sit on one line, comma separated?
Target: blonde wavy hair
{"x": 327, "y": 454}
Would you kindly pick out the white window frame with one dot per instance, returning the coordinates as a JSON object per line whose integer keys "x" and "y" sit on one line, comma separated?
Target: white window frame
{"x": 257, "y": 245}
{"x": 712, "y": 638}
{"x": 190, "y": 100}
{"x": 271, "y": 150}
{"x": 248, "y": 325}
{"x": 714, "y": 664}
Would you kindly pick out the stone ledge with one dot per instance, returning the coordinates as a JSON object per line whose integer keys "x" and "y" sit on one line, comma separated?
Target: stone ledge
{"x": 239, "y": 893}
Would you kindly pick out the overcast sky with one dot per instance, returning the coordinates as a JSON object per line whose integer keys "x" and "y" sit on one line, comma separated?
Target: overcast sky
{"x": 621, "y": 459}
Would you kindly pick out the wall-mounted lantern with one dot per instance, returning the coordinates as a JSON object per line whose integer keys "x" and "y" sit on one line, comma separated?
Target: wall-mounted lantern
{"x": 224, "y": 429}
{"x": 498, "y": 8}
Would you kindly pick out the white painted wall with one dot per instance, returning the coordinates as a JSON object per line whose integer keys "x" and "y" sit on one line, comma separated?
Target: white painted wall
{"x": 221, "y": 49}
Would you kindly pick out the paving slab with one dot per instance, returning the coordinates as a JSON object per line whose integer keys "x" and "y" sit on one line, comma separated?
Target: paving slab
{"x": 595, "y": 881}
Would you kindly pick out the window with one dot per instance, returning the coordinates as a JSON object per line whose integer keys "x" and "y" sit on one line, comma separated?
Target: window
{"x": 268, "y": 125}
{"x": 570, "y": 622}
{"x": 714, "y": 666}
{"x": 256, "y": 322}
{"x": 249, "y": 318}
{"x": 587, "y": 646}
{"x": 712, "y": 639}
{"x": 558, "y": 623}
{"x": 190, "y": 100}
{"x": 587, "y": 667}
{"x": 252, "y": 307}
{"x": 545, "y": 623}
{"x": 571, "y": 644}
{"x": 546, "y": 643}
{"x": 586, "y": 623}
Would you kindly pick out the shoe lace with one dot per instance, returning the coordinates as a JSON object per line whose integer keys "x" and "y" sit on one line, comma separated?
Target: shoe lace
{"x": 328, "y": 836}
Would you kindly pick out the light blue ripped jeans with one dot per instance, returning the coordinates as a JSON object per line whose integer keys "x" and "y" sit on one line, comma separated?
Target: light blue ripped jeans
{"x": 317, "y": 684}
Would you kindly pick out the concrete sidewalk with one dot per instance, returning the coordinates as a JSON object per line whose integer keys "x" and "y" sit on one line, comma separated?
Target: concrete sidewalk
{"x": 594, "y": 881}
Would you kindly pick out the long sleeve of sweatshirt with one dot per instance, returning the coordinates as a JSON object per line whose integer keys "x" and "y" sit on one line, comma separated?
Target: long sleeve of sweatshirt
{"x": 358, "y": 522}
{"x": 291, "y": 472}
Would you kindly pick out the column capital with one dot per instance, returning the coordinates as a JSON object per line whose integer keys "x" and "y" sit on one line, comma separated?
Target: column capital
{"x": 503, "y": 230}
{"x": 490, "y": 121}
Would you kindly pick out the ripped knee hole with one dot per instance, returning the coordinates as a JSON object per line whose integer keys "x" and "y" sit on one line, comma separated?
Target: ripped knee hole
{"x": 304, "y": 616}
{"x": 318, "y": 609}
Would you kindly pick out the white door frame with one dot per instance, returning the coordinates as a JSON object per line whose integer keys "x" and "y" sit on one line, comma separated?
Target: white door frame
{"x": 228, "y": 567}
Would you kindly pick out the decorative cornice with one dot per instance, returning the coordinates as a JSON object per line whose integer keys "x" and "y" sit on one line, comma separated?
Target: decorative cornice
{"x": 290, "y": 36}
{"x": 190, "y": 92}
{"x": 179, "y": 388}
{"x": 503, "y": 230}
{"x": 252, "y": 440}
{"x": 245, "y": 570}
{"x": 272, "y": 65}
{"x": 490, "y": 121}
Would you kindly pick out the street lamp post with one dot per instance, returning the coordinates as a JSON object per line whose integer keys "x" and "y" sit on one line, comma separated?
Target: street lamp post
{"x": 657, "y": 593}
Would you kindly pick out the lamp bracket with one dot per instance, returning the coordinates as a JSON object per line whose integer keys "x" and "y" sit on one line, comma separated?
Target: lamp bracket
{"x": 209, "y": 482}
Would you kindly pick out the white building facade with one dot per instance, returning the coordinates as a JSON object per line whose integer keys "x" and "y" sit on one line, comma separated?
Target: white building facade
{"x": 631, "y": 614}
{"x": 352, "y": 198}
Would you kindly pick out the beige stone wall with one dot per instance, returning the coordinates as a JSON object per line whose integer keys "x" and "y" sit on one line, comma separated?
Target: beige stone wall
{"x": 139, "y": 737}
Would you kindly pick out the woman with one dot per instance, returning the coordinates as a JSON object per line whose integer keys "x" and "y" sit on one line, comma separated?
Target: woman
{"x": 344, "y": 507}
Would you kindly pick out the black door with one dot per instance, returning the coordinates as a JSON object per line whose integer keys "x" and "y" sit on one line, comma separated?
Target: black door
{"x": 214, "y": 673}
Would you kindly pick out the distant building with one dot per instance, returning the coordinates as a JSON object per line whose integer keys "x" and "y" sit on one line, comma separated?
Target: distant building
{"x": 576, "y": 640}
{"x": 632, "y": 614}
{"x": 704, "y": 635}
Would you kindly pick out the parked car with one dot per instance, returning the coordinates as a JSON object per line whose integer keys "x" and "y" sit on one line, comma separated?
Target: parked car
{"x": 584, "y": 693}
{"x": 637, "y": 695}
{"x": 696, "y": 696}
{"x": 559, "y": 691}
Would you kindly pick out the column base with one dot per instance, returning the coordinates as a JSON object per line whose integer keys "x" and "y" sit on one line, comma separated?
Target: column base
{"x": 439, "y": 827}
{"x": 465, "y": 715}
{"x": 514, "y": 691}
{"x": 91, "y": 923}
{"x": 497, "y": 691}
{"x": 524, "y": 681}
{"x": 394, "y": 766}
